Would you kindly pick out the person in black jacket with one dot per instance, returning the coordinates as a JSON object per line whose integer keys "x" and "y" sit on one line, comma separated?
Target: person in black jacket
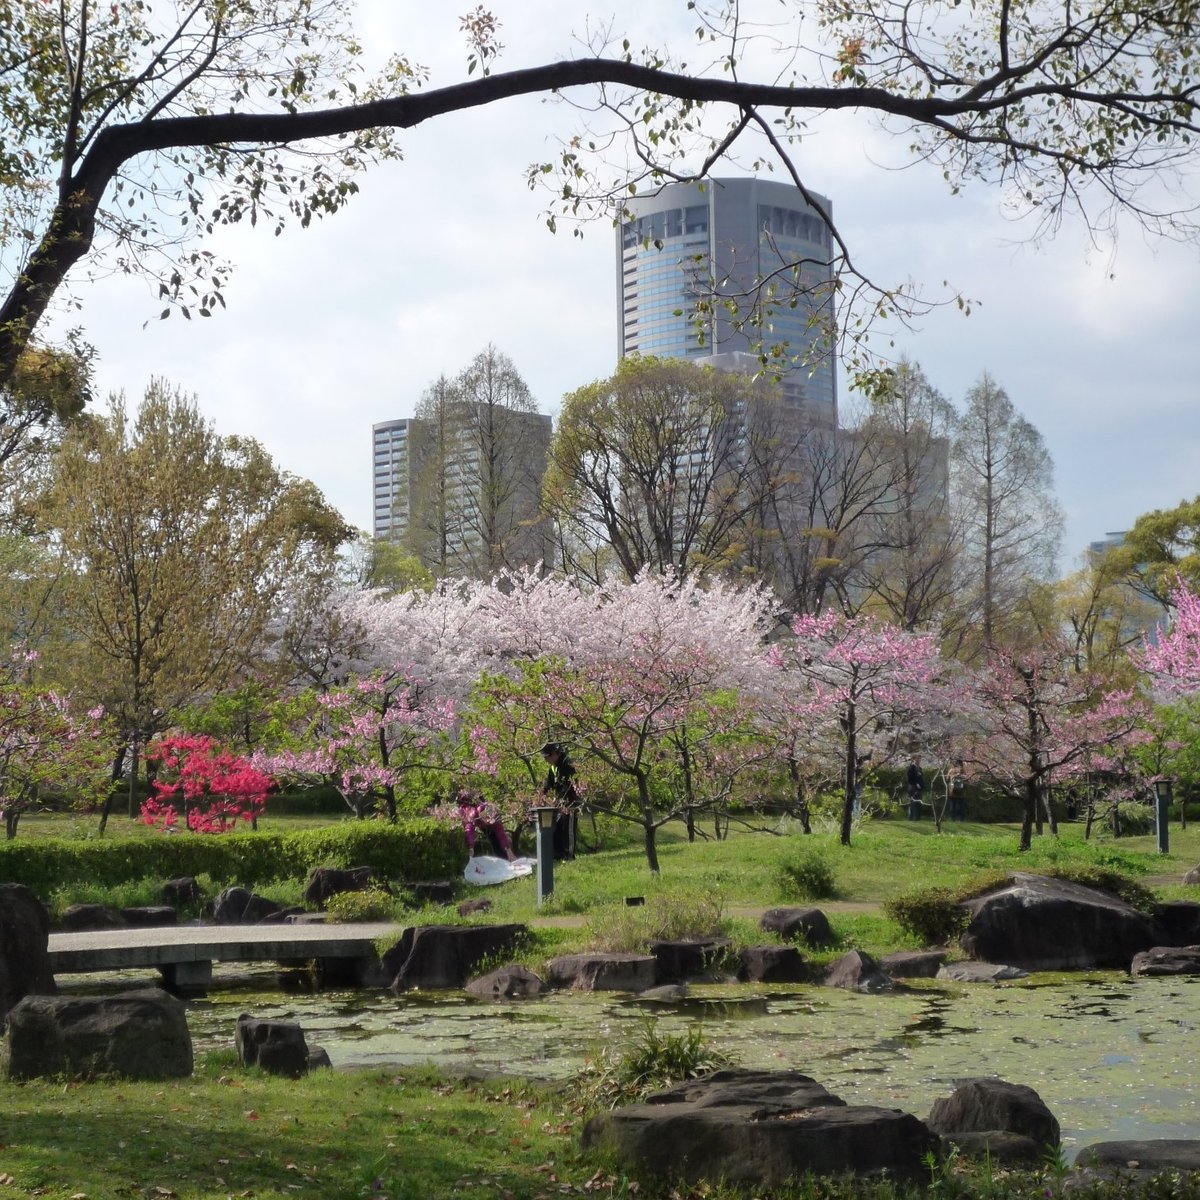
{"x": 560, "y": 785}
{"x": 916, "y": 788}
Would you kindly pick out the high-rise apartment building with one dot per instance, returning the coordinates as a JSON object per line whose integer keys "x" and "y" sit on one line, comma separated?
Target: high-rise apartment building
{"x": 463, "y": 492}
{"x": 390, "y": 472}
{"x": 739, "y": 241}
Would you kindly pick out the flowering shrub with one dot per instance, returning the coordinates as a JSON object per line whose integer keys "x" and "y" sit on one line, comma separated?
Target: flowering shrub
{"x": 217, "y": 788}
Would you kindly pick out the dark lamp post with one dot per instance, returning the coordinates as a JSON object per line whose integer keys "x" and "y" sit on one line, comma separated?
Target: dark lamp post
{"x": 1162, "y": 806}
{"x": 546, "y": 816}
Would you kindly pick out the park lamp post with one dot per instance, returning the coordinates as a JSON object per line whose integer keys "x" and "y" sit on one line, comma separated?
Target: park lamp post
{"x": 1162, "y": 806}
{"x": 546, "y": 816}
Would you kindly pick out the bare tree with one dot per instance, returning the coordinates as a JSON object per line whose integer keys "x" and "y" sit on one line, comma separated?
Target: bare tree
{"x": 911, "y": 569}
{"x": 1003, "y": 477}
{"x": 477, "y": 454}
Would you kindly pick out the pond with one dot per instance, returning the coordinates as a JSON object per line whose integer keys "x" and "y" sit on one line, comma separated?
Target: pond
{"x": 1113, "y": 1057}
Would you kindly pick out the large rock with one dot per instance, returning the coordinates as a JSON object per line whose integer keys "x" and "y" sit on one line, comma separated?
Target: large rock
{"x": 758, "y": 1129}
{"x": 1167, "y": 960}
{"x": 691, "y": 959}
{"x": 913, "y": 964}
{"x": 325, "y": 882}
{"x": 979, "y": 972}
{"x": 182, "y": 892}
{"x": 278, "y": 1047}
{"x": 772, "y": 964}
{"x": 1045, "y": 924}
{"x": 507, "y": 983}
{"x": 240, "y": 906}
{"x": 1178, "y": 923}
{"x": 24, "y": 941}
{"x": 858, "y": 972}
{"x": 445, "y": 956}
{"x": 597, "y": 972}
{"x": 150, "y": 916}
{"x": 1150, "y": 1156}
{"x": 134, "y": 1035}
{"x": 86, "y": 918}
{"x": 808, "y": 924}
{"x": 992, "y": 1105}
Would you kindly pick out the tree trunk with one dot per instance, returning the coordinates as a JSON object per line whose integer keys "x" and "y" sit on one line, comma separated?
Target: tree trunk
{"x": 133, "y": 770}
{"x": 851, "y": 718}
{"x": 1029, "y": 814}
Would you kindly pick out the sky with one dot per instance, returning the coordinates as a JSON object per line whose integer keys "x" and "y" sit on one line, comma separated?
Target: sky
{"x": 332, "y": 329}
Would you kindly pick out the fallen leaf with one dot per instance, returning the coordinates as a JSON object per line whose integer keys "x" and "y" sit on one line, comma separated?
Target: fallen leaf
{"x": 251, "y": 1114}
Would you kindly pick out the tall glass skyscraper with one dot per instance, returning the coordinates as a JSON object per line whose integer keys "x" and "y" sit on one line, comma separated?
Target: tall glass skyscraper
{"x": 742, "y": 239}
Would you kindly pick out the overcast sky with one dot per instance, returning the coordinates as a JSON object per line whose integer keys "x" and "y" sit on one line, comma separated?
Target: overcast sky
{"x": 331, "y": 329}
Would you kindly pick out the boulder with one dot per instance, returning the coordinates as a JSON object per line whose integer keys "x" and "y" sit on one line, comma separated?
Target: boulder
{"x": 913, "y": 964}
{"x": 150, "y": 916}
{"x": 261, "y": 911}
{"x": 596, "y": 972}
{"x": 24, "y": 942}
{"x": 688, "y": 959}
{"x": 133, "y": 1035}
{"x": 858, "y": 972}
{"x": 810, "y": 924}
{"x": 979, "y": 972}
{"x": 1151, "y": 1156}
{"x": 443, "y": 956}
{"x": 507, "y": 983}
{"x": 758, "y": 1129}
{"x": 1167, "y": 960}
{"x": 278, "y": 1047}
{"x": 318, "y": 1059}
{"x": 999, "y": 1147}
{"x": 433, "y": 891}
{"x": 772, "y": 964}
{"x": 1178, "y": 923}
{"x": 85, "y": 918}
{"x": 1045, "y": 924}
{"x": 182, "y": 892}
{"x": 665, "y": 993}
{"x": 240, "y": 906}
{"x": 992, "y": 1105}
{"x": 325, "y": 882}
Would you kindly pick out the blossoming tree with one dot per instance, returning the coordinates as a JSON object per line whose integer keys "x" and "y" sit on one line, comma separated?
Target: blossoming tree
{"x": 845, "y": 678}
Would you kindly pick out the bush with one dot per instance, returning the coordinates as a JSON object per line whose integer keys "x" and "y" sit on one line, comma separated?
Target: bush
{"x": 934, "y": 916}
{"x": 371, "y": 904}
{"x": 408, "y": 850}
{"x": 809, "y": 877}
{"x": 681, "y": 915}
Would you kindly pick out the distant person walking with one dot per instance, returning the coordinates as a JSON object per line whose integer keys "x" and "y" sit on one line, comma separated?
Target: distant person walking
{"x": 958, "y": 792}
{"x": 560, "y": 785}
{"x": 916, "y": 788}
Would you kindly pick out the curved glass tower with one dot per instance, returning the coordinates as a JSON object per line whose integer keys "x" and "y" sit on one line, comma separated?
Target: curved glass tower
{"x": 732, "y": 239}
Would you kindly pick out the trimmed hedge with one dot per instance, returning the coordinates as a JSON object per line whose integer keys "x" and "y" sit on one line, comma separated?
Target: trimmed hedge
{"x": 410, "y": 850}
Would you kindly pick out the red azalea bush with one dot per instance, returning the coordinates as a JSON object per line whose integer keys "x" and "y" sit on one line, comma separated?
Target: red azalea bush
{"x": 217, "y": 787}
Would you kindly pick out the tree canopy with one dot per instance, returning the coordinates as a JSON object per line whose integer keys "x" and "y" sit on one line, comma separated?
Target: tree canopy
{"x": 130, "y": 134}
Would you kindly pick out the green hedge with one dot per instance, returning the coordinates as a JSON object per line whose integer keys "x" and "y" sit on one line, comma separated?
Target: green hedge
{"x": 409, "y": 850}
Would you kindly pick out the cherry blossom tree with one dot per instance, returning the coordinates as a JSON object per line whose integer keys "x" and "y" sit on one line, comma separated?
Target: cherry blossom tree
{"x": 364, "y": 736}
{"x": 848, "y": 679}
{"x": 626, "y": 674}
{"x": 46, "y": 745}
{"x": 1042, "y": 720}
{"x": 1174, "y": 657}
